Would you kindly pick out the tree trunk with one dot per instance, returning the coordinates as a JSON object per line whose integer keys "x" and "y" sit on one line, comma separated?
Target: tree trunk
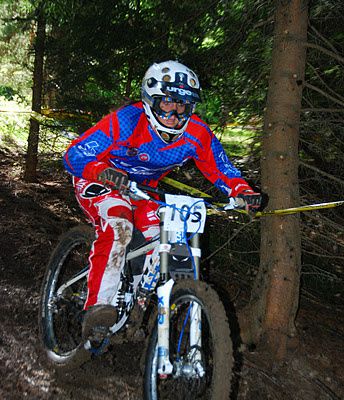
{"x": 129, "y": 81}
{"x": 30, "y": 173}
{"x": 275, "y": 295}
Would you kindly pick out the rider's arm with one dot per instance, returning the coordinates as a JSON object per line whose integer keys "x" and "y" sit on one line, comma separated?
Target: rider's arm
{"x": 87, "y": 156}
{"x": 213, "y": 162}
{"x": 216, "y": 167}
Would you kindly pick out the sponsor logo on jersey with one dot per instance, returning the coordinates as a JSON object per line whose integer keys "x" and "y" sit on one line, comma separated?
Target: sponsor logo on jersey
{"x": 143, "y": 157}
{"x": 89, "y": 149}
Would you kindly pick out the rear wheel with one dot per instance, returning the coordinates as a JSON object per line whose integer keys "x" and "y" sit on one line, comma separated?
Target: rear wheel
{"x": 63, "y": 295}
{"x": 201, "y": 371}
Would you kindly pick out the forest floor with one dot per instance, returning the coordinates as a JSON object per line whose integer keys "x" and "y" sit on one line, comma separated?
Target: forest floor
{"x": 32, "y": 218}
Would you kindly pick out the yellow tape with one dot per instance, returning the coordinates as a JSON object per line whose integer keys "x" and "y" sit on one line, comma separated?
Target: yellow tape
{"x": 286, "y": 211}
{"x": 49, "y": 115}
{"x": 294, "y": 210}
{"x": 185, "y": 188}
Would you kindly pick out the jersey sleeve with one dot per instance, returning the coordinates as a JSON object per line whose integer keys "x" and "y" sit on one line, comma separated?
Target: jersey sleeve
{"x": 215, "y": 165}
{"x": 87, "y": 155}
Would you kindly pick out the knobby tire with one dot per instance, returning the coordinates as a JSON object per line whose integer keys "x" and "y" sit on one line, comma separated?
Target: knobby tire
{"x": 60, "y": 318}
{"x": 216, "y": 347}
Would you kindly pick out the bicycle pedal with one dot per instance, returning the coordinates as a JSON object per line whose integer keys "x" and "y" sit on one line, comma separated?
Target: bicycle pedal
{"x": 97, "y": 347}
{"x": 98, "y": 335}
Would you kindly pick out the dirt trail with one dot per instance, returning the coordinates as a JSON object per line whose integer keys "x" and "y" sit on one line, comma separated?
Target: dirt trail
{"x": 31, "y": 219}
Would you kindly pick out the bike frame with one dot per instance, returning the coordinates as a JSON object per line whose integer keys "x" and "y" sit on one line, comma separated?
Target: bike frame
{"x": 164, "y": 290}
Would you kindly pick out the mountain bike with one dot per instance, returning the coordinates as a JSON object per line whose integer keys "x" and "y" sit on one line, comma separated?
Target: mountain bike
{"x": 189, "y": 352}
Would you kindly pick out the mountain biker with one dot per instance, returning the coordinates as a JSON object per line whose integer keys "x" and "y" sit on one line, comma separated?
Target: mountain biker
{"x": 142, "y": 142}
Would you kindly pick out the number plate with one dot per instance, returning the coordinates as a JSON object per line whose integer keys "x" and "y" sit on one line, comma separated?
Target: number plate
{"x": 178, "y": 210}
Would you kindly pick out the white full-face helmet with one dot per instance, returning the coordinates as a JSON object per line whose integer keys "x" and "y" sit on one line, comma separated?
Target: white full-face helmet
{"x": 169, "y": 81}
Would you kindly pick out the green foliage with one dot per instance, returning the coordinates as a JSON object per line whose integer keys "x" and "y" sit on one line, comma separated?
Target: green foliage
{"x": 13, "y": 123}
{"x": 237, "y": 141}
{"x": 97, "y": 52}
{"x": 15, "y": 74}
{"x": 7, "y": 92}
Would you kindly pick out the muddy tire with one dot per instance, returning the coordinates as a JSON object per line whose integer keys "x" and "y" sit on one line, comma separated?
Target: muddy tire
{"x": 61, "y": 308}
{"x": 215, "y": 349}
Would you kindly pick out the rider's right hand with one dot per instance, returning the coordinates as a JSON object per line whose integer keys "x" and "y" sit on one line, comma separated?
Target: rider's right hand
{"x": 114, "y": 178}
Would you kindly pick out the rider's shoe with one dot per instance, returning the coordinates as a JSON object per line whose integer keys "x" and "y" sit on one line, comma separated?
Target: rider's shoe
{"x": 97, "y": 321}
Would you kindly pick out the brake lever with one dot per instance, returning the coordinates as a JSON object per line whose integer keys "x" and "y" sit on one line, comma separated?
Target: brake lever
{"x": 136, "y": 193}
{"x": 235, "y": 203}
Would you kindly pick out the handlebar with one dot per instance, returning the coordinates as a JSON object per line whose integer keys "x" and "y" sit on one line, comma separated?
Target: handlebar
{"x": 139, "y": 192}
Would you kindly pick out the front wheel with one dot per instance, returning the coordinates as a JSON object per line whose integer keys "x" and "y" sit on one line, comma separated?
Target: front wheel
{"x": 63, "y": 295}
{"x": 200, "y": 370}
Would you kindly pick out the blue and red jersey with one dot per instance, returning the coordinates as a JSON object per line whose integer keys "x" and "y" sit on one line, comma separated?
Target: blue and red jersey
{"x": 125, "y": 140}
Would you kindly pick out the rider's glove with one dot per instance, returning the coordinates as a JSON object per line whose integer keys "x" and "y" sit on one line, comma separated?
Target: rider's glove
{"x": 115, "y": 178}
{"x": 246, "y": 200}
{"x": 253, "y": 200}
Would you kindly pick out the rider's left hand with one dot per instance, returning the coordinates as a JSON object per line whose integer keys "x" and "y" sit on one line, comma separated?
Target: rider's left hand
{"x": 115, "y": 178}
{"x": 252, "y": 199}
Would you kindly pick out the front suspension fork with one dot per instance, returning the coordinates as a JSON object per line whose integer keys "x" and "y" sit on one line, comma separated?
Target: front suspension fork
{"x": 165, "y": 367}
{"x": 164, "y": 294}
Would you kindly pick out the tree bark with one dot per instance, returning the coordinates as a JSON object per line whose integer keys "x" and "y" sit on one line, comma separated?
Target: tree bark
{"x": 275, "y": 295}
{"x": 30, "y": 173}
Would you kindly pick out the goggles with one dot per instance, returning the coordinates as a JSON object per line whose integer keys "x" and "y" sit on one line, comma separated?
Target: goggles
{"x": 186, "y": 108}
